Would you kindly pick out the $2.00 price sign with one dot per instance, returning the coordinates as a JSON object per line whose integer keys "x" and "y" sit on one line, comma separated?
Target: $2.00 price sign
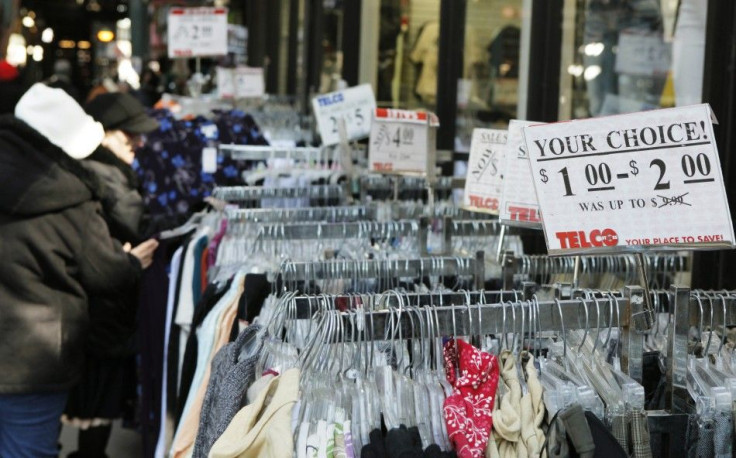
{"x": 484, "y": 183}
{"x": 648, "y": 180}
{"x": 354, "y": 105}
{"x": 519, "y": 206}
{"x": 194, "y": 32}
{"x": 403, "y": 141}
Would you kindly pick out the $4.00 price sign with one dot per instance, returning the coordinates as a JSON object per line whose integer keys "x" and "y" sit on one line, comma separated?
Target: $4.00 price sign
{"x": 519, "y": 206}
{"x": 484, "y": 183}
{"x": 648, "y": 180}
{"x": 354, "y": 105}
{"x": 403, "y": 141}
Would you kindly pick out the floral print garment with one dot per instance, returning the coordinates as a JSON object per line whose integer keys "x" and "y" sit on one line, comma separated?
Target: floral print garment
{"x": 468, "y": 411}
{"x": 169, "y": 165}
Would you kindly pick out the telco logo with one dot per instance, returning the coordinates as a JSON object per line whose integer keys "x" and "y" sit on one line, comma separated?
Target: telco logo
{"x": 330, "y": 99}
{"x": 579, "y": 239}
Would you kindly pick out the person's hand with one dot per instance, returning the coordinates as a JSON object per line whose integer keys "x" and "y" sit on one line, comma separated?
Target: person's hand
{"x": 144, "y": 252}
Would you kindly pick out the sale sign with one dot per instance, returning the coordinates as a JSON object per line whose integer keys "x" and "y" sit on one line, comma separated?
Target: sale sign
{"x": 195, "y": 32}
{"x": 642, "y": 181}
{"x": 484, "y": 182}
{"x": 519, "y": 206}
{"x": 403, "y": 142}
{"x": 354, "y": 106}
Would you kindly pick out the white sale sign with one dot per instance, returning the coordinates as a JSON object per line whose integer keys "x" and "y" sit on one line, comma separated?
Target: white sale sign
{"x": 519, "y": 206}
{"x": 249, "y": 82}
{"x": 354, "y": 105}
{"x": 194, "y": 32}
{"x": 484, "y": 182}
{"x": 403, "y": 142}
{"x": 642, "y": 181}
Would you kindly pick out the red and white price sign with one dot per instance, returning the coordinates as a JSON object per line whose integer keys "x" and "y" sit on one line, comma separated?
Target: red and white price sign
{"x": 403, "y": 142}
{"x": 225, "y": 83}
{"x": 195, "y": 32}
{"x": 249, "y": 82}
{"x": 519, "y": 205}
{"x": 642, "y": 181}
{"x": 484, "y": 182}
{"x": 354, "y": 106}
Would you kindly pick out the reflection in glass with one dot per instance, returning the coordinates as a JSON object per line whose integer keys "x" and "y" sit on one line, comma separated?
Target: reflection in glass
{"x": 488, "y": 91}
{"x": 621, "y": 56}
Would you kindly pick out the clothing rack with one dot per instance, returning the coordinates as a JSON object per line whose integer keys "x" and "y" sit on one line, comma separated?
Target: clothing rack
{"x": 347, "y": 269}
{"x": 397, "y": 184}
{"x": 250, "y": 193}
{"x": 715, "y": 309}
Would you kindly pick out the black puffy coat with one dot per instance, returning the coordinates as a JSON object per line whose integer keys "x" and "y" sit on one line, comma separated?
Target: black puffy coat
{"x": 113, "y": 316}
{"x": 55, "y": 249}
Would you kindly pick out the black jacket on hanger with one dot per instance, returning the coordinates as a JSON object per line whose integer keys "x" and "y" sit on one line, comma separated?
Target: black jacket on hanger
{"x": 55, "y": 249}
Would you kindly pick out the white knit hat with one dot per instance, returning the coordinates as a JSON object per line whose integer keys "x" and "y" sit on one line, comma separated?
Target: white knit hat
{"x": 59, "y": 118}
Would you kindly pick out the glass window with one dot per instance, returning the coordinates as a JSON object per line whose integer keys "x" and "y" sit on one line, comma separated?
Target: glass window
{"x": 488, "y": 93}
{"x": 408, "y": 45}
{"x": 622, "y": 56}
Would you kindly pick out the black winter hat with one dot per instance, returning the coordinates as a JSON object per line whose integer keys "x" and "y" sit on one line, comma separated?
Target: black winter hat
{"x": 120, "y": 111}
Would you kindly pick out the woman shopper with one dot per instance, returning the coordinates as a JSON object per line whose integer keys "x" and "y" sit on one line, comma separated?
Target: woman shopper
{"x": 56, "y": 250}
{"x": 107, "y": 389}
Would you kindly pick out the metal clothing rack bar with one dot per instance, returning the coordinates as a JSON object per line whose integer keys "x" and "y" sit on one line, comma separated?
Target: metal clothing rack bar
{"x": 248, "y": 193}
{"x": 472, "y": 318}
{"x": 348, "y": 269}
{"x": 307, "y": 306}
{"x": 362, "y": 229}
{"x": 263, "y": 153}
{"x": 327, "y": 214}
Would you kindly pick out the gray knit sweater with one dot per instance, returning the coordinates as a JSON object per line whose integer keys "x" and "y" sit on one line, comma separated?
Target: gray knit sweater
{"x": 227, "y": 388}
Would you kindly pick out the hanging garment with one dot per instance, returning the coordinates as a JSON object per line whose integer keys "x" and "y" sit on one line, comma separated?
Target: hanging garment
{"x": 507, "y": 411}
{"x": 469, "y": 410}
{"x": 569, "y": 435}
{"x": 263, "y": 429}
{"x": 531, "y": 426}
{"x": 233, "y": 371}
{"x": 212, "y": 335}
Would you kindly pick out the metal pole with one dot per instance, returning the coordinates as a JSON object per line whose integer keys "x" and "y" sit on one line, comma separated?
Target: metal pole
{"x": 643, "y": 320}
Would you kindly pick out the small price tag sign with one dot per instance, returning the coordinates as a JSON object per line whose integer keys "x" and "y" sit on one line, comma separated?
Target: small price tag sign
{"x": 403, "y": 142}
{"x": 249, "y": 82}
{"x": 484, "y": 182}
{"x": 195, "y": 32}
{"x": 642, "y": 181}
{"x": 225, "y": 83}
{"x": 354, "y": 105}
{"x": 519, "y": 205}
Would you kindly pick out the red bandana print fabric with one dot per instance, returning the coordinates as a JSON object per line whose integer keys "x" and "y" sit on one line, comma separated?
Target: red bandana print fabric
{"x": 469, "y": 410}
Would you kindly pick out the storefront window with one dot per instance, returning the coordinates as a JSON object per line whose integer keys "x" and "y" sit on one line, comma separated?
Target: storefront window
{"x": 621, "y": 56}
{"x": 331, "y": 46}
{"x": 408, "y": 45}
{"x": 488, "y": 91}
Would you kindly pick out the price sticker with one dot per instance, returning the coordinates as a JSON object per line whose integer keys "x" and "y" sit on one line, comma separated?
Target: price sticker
{"x": 209, "y": 160}
{"x": 249, "y": 82}
{"x": 519, "y": 205}
{"x": 403, "y": 142}
{"x": 640, "y": 181}
{"x": 195, "y": 32}
{"x": 484, "y": 182}
{"x": 354, "y": 105}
